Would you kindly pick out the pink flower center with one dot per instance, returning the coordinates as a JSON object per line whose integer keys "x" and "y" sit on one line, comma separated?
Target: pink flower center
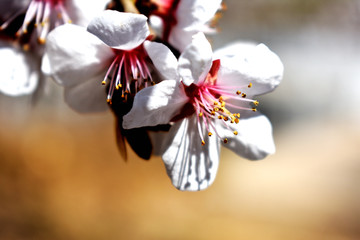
{"x": 208, "y": 100}
{"x": 128, "y": 72}
{"x": 46, "y": 14}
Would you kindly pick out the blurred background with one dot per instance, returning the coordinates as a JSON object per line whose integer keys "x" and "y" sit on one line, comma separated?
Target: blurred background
{"x": 61, "y": 176}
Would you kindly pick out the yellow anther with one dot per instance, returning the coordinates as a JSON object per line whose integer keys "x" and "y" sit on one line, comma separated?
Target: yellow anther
{"x": 26, "y": 47}
{"x": 213, "y": 113}
{"x": 236, "y": 120}
{"x": 201, "y": 114}
{"x": 152, "y": 83}
{"x": 256, "y": 103}
{"x": 223, "y": 104}
{"x": 235, "y": 132}
{"x": 210, "y": 134}
{"x": 202, "y": 142}
{"x": 103, "y": 82}
{"x": 237, "y": 115}
{"x": 238, "y": 92}
{"x": 41, "y": 40}
{"x": 232, "y": 121}
{"x": 69, "y": 21}
{"x": 225, "y": 118}
{"x": 216, "y": 109}
{"x": 250, "y": 85}
{"x": 42, "y": 24}
{"x": 254, "y": 109}
{"x": 117, "y": 87}
{"x": 220, "y": 99}
{"x": 243, "y": 95}
{"x": 225, "y": 140}
{"x": 216, "y": 103}
{"x": 220, "y": 117}
{"x": 120, "y": 85}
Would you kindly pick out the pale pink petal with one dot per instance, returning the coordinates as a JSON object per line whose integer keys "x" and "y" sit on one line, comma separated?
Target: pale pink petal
{"x": 191, "y": 166}
{"x": 155, "y": 105}
{"x": 120, "y": 30}
{"x": 163, "y": 59}
{"x": 196, "y": 60}
{"x": 76, "y": 55}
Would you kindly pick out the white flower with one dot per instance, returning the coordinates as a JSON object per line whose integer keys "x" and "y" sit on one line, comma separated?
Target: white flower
{"x": 110, "y": 50}
{"x": 22, "y": 58}
{"x": 178, "y": 20}
{"x": 204, "y": 97}
{"x": 19, "y": 70}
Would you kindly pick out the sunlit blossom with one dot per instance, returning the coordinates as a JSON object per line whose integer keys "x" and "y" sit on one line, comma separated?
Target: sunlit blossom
{"x": 209, "y": 104}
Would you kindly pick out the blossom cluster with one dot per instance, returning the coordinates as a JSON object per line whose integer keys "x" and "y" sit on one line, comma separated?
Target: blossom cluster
{"x": 151, "y": 64}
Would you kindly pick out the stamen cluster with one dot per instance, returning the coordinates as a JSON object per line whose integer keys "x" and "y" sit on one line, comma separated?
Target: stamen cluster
{"x": 128, "y": 73}
{"x": 45, "y": 14}
{"x": 209, "y": 102}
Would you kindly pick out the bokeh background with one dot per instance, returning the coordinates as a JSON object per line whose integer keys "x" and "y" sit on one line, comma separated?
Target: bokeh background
{"x": 61, "y": 176}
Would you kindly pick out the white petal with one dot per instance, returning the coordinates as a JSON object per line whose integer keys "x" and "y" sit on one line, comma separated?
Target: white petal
{"x": 82, "y": 12}
{"x": 254, "y": 140}
{"x": 88, "y": 96}
{"x": 180, "y": 38}
{"x": 191, "y": 166}
{"x": 76, "y": 55}
{"x": 257, "y": 64}
{"x": 159, "y": 142}
{"x": 45, "y": 65}
{"x": 156, "y": 24}
{"x": 192, "y": 14}
{"x": 237, "y": 49}
{"x": 155, "y": 105}
{"x": 163, "y": 59}
{"x": 19, "y": 71}
{"x": 196, "y": 60}
{"x": 120, "y": 30}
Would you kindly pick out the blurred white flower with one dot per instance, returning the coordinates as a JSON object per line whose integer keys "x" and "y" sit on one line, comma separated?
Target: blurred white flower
{"x": 204, "y": 97}
{"x": 19, "y": 70}
{"x": 40, "y": 17}
{"x": 176, "y": 21}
